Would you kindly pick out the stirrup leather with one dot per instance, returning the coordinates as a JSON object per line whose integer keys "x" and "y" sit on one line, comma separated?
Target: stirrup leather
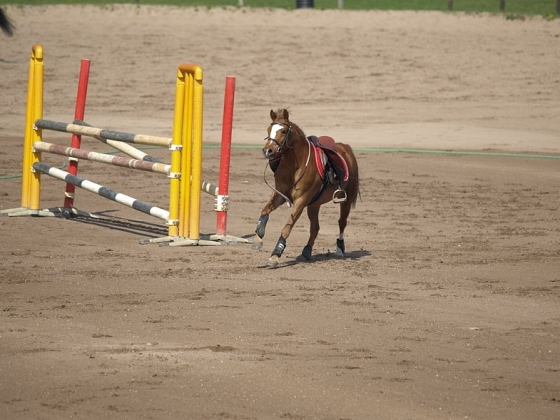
{"x": 339, "y": 198}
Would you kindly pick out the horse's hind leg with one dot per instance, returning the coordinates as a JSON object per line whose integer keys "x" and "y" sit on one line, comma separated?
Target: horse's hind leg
{"x": 313, "y": 214}
{"x": 342, "y": 222}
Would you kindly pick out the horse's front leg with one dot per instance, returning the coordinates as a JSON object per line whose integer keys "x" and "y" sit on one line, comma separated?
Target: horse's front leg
{"x": 281, "y": 244}
{"x": 274, "y": 202}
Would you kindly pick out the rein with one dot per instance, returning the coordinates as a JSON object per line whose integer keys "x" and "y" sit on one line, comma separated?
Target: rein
{"x": 279, "y": 156}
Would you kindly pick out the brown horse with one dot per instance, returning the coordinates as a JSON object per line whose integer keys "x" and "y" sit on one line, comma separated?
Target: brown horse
{"x": 302, "y": 182}
{"x": 5, "y": 23}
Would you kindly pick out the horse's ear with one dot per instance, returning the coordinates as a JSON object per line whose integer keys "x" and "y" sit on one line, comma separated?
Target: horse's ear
{"x": 286, "y": 115}
{"x": 273, "y": 115}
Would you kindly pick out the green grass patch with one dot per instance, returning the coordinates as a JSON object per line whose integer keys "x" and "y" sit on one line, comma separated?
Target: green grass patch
{"x": 512, "y": 7}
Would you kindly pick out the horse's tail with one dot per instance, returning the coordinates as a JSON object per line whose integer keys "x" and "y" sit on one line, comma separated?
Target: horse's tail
{"x": 358, "y": 193}
{"x": 353, "y": 169}
{"x": 5, "y": 23}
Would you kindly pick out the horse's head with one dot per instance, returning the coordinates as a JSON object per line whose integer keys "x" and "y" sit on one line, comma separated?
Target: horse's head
{"x": 279, "y": 133}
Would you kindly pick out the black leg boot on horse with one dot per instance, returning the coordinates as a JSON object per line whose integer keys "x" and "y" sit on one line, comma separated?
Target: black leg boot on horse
{"x": 298, "y": 181}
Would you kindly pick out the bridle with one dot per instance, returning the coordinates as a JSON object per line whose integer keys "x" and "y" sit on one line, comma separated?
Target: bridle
{"x": 286, "y": 137}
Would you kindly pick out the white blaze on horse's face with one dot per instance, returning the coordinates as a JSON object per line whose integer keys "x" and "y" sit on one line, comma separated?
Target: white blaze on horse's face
{"x": 273, "y": 144}
{"x": 275, "y": 129}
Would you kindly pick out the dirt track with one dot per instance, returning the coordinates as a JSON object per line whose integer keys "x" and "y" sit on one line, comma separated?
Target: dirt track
{"x": 447, "y": 305}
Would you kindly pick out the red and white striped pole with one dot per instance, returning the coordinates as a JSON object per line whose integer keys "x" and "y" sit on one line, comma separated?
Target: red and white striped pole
{"x": 76, "y": 138}
{"x": 223, "y": 185}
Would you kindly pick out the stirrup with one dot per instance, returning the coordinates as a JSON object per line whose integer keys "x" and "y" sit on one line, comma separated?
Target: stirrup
{"x": 341, "y": 199}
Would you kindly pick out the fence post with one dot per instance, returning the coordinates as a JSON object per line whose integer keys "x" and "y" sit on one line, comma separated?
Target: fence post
{"x": 34, "y": 110}
{"x": 223, "y": 186}
{"x": 36, "y": 134}
{"x": 450, "y": 5}
{"x": 502, "y": 5}
{"x": 76, "y": 138}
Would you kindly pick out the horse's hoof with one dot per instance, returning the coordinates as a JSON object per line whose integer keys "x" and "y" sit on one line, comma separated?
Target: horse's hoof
{"x": 257, "y": 245}
{"x": 273, "y": 261}
{"x": 306, "y": 253}
{"x": 340, "y": 248}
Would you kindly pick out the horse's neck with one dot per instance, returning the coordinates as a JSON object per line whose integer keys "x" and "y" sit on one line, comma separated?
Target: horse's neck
{"x": 296, "y": 156}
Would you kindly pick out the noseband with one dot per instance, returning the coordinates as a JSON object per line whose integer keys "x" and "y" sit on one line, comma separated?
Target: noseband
{"x": 286, "y": 138}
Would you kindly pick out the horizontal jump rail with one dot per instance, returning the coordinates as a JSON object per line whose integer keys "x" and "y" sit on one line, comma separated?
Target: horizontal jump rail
{"x": 102, "y": 158}
{"x": 106, "y": 134}
{"x": 126, "y": 148}
{"x": 102, "y": 191}
{"x": 123, "y": 162}
{"x": 209, "y": 188}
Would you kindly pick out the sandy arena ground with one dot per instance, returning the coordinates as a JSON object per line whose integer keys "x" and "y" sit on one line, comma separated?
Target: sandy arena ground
{"x": 447, "y": 305}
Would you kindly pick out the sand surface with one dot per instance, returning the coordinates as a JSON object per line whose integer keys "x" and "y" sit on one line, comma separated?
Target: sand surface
{"x": 447, "y": 304}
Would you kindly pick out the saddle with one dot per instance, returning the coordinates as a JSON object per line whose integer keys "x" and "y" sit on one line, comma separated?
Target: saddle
{"x": 334, "y": 160}
{"x": 332, "y": 166}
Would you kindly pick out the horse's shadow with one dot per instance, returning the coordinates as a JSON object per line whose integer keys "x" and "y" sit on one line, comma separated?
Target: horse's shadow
{"x": 327, "y": 256}
{"x": 122, "y": 224}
